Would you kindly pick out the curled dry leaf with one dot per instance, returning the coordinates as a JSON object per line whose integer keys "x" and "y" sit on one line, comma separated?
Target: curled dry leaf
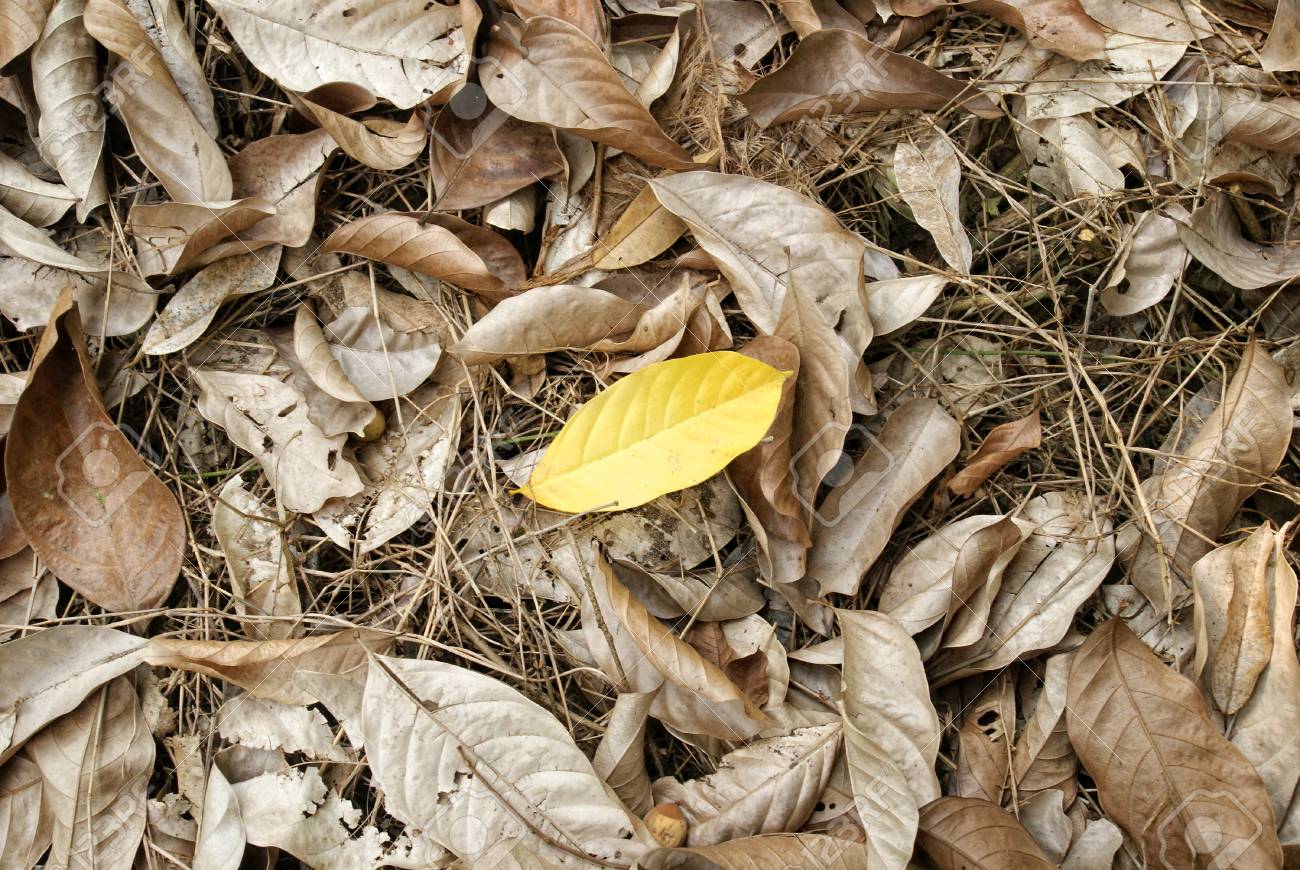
{"x": 642, "y": 232}
{"x": 1003, "y": 445}
{"x": 174, "y": 236}
{"x": 95, "y": 763}
{"x": 65, "y": 79}
{"x": 189, "y": 312}
{"x": 1246, "y": 645}
{"x": 34, "y": 693}
{"x": 1213, "y": 236}
{"x": 471, "y": 168}
{"x": 547, "y": 71}
{"x": 812, "y": 83}
{"x": 1043, "y": 759}
{"x": 762, "y": 474}
{"x": 163, "y": 22}
{"x": 379, "y": 143}
{"x": 697, "y": 414}
{"x": 268, "y": 668}
{"x": 31, "y": 199}
{"x": 984, "y": 744}
{"x": 379, "y": 361}
{"x": 268, "y": 418}
{"x": 1153, "y": 260}
{"x": 1273, "y": 125}
{"x": 970, "y": 834}
{"x": 928, "y": 181}
{"x": 1143, "y": 733}
{"x": 221, "y": 837}
{"x": 546, "y": 319}
{"x": 896, "y": 302}
{"x": 620, "y": 757}
{"x": 856, "y": 520}
{"x": 891, "y": 732}
{"x": 640, "y": 654}
{"x": 404, "y": 469}
{"x": 403, "y": 52}
{"x": 114, "y": 533}
{"x": 1057, "y": 25}
{"x": 440, "y": 246}
{"x": 1056, "y": 569}
{"x": 261, "y": 568}
{"x": 488, "y": 754}
{"x": 1282, "y": 49}
{"x": 769, "y": 786}
{"x": 23, "y": 22}
{"x": 1192, "y": 501}
{"x": 285, "y": 171}
{"x": 332, "y": 415}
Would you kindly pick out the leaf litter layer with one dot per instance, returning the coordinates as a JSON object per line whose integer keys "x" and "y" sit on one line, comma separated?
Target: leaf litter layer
{"x": 984, "y": 555}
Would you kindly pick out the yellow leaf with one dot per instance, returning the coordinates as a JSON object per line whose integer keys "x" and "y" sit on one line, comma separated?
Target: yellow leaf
{"x": 666, "y": 427}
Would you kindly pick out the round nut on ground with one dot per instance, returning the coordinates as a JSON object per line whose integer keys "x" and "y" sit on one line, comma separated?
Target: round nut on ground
{"x": 667, "y": 825}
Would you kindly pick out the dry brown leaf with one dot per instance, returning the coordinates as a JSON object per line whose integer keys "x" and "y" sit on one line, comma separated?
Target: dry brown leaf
{"x": 440, "y": 246}
{"x": 984, "y": 744}
{"x": 1273, "y": 125}
{"x": 189, "y": 312}
{"x": 1143, "y": 733}
{"x": 221, "y": 838}
{"x": 1003, "y": 445}
{"x": 1043, "y": 759}
{"x": 379, "y": 143}
{"x": 620, "y": 757}
{"x": 332, "y": 415}
{"x": 1282, "y": 49}
{"x": 956, "y": 568}
{"x": 268, "y": 668}
{"x": 25, "y": 830}
{"x": 856, "y": 520}
{"x": 1152, "y": 262}
{"x": 766, "y": 787}
{"x": 403, "y": 52}
{"x": 547, "y": 71}
{"x": 767, "y": 852}
{"x": 405, "y": 469}
{"x": 694, "y": 697}
{"x": 642, "y": 232}
{"x": 285, "y": 171}
{"x": 95, "y": 763}
{"x": 546, "y": 319}
{"x": 811, "y": 83}
{"x": 171, "y": 237}
{"x": 379, "y": 361}
{"x": 23, "y": 22}
{"x": 168, "y": 31}
{"x": 474, "y": 164}
{"x": 891, "y": 736}
{"x": 762, "y": 474}
{"x": 748, "y": 672}
{"x": 969, "y": 834}
{"x": 65, "y": 78}
{"x": 489, "y": 754}
{"x": 114, "y": 533}
{"x": 929, "y": 181}
{"x": 114, "y": 303}
{"x": 1056, "y": 569}
{"x": 1057, "y": 25}
{"x": 586, "y": 15}
{"x": 268, "y": 418}
{"x": 1244, "y": 649}
{"x": 34, "y": 693}
{"x": 31, "y": 199}
{"x": 1192, "y": 501}
{"x": 261, "y": 568}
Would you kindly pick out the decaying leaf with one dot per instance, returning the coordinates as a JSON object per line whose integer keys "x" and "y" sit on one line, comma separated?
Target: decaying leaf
{"x": 1152, "y": 263}
{"x": 471, "y": 167}
{"x": 1059, "y": 25}
{"x": 30, "y": 198}
{"x": 984, "y": 745}
{"x": 546, "y": 319}
{"x": 620, "y": 757}
{"x": 766, "y": 852}
{"x": 380, "y": 362}
{"x": 285, "y": 171}
{"x": 113, "y": 532}
{"x": 1003, "y": 445}
{"x": 959, "y": 832}
{"x": 261, "y": 569}
{"x": 189, "y": 312}
{"x": 1143, "y": 733}
{"x": 25, "y": 830}
{"x": 1043, "y": 759}
{"x": 928, "y": 180}
{"x": 221, "y": 837}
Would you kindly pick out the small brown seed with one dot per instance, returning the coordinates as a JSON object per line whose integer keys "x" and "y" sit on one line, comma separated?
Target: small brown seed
{"x": 667, "y": 825}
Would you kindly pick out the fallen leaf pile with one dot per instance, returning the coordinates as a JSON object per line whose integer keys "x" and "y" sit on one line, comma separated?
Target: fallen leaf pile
{"x": 718, "y": 434}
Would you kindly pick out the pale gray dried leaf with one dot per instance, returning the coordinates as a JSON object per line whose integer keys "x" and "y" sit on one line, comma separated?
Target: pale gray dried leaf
{"x": 855, "y": 522}
{"x": 29, "y": 198}
{"x": 929, "y": 180}
{"x": 620, "y": 756}
{"x": 95, "y": 763}
{"x": 895, "y": 303}
{"x": 403, "y": 51}
{"x": 65, "y": 78}
{"x": 546, "y": 319}
{"x": 456, "y": 751}
{"x": 52, "y": 671}
{"x": 265, "y": 724}
{"x": 25, "y": 830}
{"x": 891, "y": 736}
{"x": 161, "y": 19}
{"x": 379, "y": 361}
{"x": 405, "y": 469}
{"x": 220, "y": 843}
{"x": 1043, "y": 759}
{"x": 284, "y": 170}
{"x": 174, "y": 236}
{"x": 268, "y": 418}
{"x": 24, "y": 19}
{"x": 1281, "y": 51}
{"x": 1213, "y": 236}
{"x": 1096, "y": 847}
{"x": 332, "y": 415}
{"x": 261, "y": 569}
{"x": 766, "y": 787}
{"x": 189, "y": 312}
{"x": 1152, "y": 261}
